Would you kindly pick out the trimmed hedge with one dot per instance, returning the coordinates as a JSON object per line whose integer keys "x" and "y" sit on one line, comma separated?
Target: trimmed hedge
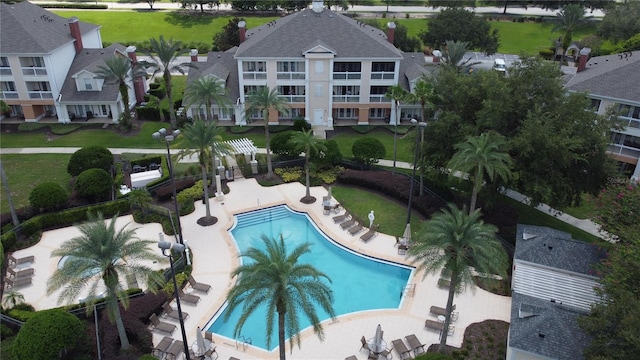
{"x": 48, "y": 196}
{"x": 90, "y": 157}
{"x": 368, "y": 150}
{"x": 73, "y": 6}
{"x": 94, "y": 184}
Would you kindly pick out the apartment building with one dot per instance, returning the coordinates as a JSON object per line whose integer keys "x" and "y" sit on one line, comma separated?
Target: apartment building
{"x": 48, "y": 64}
{"x": 331, "y": 69}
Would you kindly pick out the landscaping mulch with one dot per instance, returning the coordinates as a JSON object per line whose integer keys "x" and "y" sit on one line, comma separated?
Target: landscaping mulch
{"x": 485, "y": 340}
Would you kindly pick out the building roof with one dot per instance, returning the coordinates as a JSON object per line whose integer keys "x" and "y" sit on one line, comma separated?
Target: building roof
{"x": 290, "y": 36}
{"x": 556, "y": 249}
{"x": 222, "y": 65}
{"x": 611, "y": 76}
{"x": 26, "y": 28}
{"x": 546, "y": 329}
{"x": 89, "y": 60}
{"x": 412, "y": 67}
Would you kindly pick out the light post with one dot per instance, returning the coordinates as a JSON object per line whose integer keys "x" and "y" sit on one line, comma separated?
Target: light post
{"x": 165, "y": 245}
{"x": 421, "y": 125}
{"x": 395, "y": 136}
{"x": 161, "y": 135}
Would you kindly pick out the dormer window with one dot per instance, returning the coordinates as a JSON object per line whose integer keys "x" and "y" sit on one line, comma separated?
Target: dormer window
{"x": 88, "y": 84}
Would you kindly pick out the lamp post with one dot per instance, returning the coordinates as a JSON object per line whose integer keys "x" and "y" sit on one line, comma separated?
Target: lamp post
{"x": 164, "y": 246}
{"x": 421, "y": 125}
{"x": 395, "y": 136}
{"x": 161, "y": 135}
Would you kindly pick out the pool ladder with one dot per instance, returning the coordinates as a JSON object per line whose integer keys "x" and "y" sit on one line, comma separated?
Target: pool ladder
{"x": 244, "y": 341}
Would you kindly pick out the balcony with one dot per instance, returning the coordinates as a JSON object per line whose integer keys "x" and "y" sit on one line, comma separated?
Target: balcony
{"x": 347, "y": 76}
{"x": 382, "y": 76}
{"x": 293, "y": 98}
{"x": 346, "y": 98}
{"x": 40, "y": 95}
{"x": 5, "y": 71}
{"x": 247, "y": 75}
{"x": 378, "y": 98}
{"x": 8, "y": 95}
{"x": 624, "y": 151}
{"x": 34, "y": 71}
{"x": 290, "y": 76}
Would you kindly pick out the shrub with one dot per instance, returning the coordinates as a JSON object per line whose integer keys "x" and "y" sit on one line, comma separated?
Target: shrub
{"x": 157, "y": 89}
{"x": 546, "y": 54}
{"x": 301, "y": 125}
{"x": 368, "y": 150}
{"x": 291, "y": 174}
{"x": 91, "y": 157}
{"x": 281, "y": 145}
{"x": 166, "y": 192}
{"x": 5, "y": 332}
{"x": 328, "y": 158}
{"x": 48, "y": 196}
{"x": 187, "y": 196}
{"x": 148, "y": 113}
{"x": 48, "y": 334}
{"x": 94, "y": 184}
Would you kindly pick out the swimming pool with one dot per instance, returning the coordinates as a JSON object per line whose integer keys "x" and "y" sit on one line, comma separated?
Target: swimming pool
{"x": 359, "y": 283}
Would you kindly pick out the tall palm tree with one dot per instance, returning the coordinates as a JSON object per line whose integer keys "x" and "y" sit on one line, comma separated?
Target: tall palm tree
{"x": 203, "y": 138}
{"x": 569, "y": 19}
{"x": 206, "y": 91}
{"x": 398, "y": 94}
{"x": 119, "y": 70}
{"x": 164, "y": 58}
{"x": 454, "y": 55}
{"x": 275, "y": 278}
{"x": 305, "y": 141}
{"x": 264, "y": 100}
{"x": 479, "y": 156}
{"x": 459, "y": 244}
{"x": 102, "y": 255}
{"x": 12, "y": 298}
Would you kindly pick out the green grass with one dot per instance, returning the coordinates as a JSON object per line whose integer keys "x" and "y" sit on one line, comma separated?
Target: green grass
{"x": 405, "y": 144}
{"x": 24, "y": 172}
{"x": 126, "y": 27}
{"x": 391, "y": 215}
{"x": 528, "y": 37}
{"x": 585, "y": 211}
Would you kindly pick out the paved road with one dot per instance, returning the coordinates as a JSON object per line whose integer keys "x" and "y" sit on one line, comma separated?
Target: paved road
{"x": 586, "y": 225}
{"x": 532, "y": 11}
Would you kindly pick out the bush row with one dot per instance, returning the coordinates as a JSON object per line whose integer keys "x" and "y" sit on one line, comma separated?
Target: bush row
{"x": 60, "y": 219}
{"x": 73, "y": 6}
{"x": 142, "y": 46}
{"x": 392, "y": 185}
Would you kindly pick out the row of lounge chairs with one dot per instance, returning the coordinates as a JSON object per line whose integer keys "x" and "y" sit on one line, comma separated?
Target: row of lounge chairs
{"x": 353, "y": 226}
{"x": 415, "y": 345}
{"x": 439, "y": 325}
{"x": 18, "y": 272}
{"x": 168, "y": 348}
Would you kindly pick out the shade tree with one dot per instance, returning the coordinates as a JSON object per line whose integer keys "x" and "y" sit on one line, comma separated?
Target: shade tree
{"x": 458, "y": 24}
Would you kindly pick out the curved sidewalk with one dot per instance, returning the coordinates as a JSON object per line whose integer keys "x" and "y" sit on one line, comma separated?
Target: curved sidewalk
{"x": 586, "y": 225}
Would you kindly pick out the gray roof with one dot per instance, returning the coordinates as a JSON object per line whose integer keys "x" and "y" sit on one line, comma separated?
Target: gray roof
{"x": 546, "y": 329}
{"x": 612, "y": 76}
{"x": 26, "y": 28}
{"x": 294, "y": 34}
{"x": 222, "y": 65}
{"x": 412, "y": 67}
{"x": 553, "y": 248}
{"x": 89, "y": 60}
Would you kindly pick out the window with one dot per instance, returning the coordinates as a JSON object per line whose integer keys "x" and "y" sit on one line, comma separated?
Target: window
{"x": 383, "y": 67}
{"x": 252, "y": 89}
{"x": 636, "y": 112}
{"x": 319, "y": 67}
{"x": 347, "y": 67}
{"x": 319, "y": 90}
{"x": 290, "y": 66}
{"x": 251, "y": 66}
{"x": 4, "y": 61}
{"x": 377, "y": 113}
{"x": 379, "y": 90}
{"x": 595, "y": 104}
{"x": 8, "y": 86}
{"x": 346, "y": 113}
{"x": 104, "y": 110}
{"x": 624, "y": 110}
{"x": 88, "y": 84}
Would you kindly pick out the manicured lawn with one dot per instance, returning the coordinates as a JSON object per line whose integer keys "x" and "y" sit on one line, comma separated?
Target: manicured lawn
{"x": 529, "y": 37}
{"x": 391, "y": 215}
{"x": 24, "y": 172}
{"x": 126, "y": 27}
{"x": 405, "y": 144}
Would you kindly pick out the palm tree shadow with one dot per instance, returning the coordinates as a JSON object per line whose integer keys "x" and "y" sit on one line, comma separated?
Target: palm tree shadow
{"x": 187, "y": 20}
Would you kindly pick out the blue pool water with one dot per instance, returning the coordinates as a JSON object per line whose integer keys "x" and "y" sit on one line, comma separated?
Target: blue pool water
{"x": 358, "y": 283}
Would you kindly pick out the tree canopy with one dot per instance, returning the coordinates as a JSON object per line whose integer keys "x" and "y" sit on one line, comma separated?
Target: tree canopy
{"x": 458, "y": 24}
{"x": 618, "y": 210}
{"x": 621, "y": 21}
{"x": 229, "y": 36}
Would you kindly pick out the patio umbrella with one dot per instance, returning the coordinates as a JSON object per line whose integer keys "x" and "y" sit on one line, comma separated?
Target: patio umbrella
{"x": 407, "y": 232}
{"x": 377, "y": 340}
{"x": 330, "y": 193}
{"x": 200, "y": 345}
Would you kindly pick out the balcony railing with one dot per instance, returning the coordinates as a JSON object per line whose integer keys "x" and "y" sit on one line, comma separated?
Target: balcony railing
{"x": 382, "y": 76}
{"x": 5, "y": 71}
{"x": 629, "y": 122}
{"x": 40, "y": 95}
{"x": 347, "y": 75}
{"x": 346, "y": 98}
{"x": 9, "y": 94}
{"x": 254, "y": 75}
{"x": 378, "y": 98}
{"x": 293, "y": 98}
{"x": 34, "y": 71}
{"x": 624, "y": 151}
{"x": 290, "y": 76}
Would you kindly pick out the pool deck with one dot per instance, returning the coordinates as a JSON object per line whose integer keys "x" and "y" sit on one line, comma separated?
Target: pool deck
{"x": 215, "y": 255}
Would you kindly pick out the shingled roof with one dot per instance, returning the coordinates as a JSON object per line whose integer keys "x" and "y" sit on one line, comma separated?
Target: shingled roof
{"x": 553, "y": 248}
{"x": 222, "y": 65}
{"x": 89, "y": 60}
{"x": 545, "y": 328}
{"x": 612, "y": 76}
{"x": 26, "y": 28}
{"x": 294, "y": 34}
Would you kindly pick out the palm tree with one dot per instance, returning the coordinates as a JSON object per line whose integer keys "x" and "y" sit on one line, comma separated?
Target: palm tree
{"x": 164, "y": 56}
{"x": 203, "y": 138}
{"x": 305, "y": 141}
{"x": 264, "y": 100}
{"x": 118, "y": 70}
{"x": 276, "y": 279}
{"x": 12, "y": 298}
{"x": 102, "y": 255}
{"x": 397, "y": 94}
{"x": 569, "y": 19}
{"x": 206, "y": 91}
{"x": 141, "y": 199}
{"x": 453, "y": 55}
{"x": 481, "y": 155}
{"x": 460, "y": 244}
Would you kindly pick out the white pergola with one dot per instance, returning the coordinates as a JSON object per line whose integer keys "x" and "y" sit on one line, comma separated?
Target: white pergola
{"x": 243, "y": 146}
